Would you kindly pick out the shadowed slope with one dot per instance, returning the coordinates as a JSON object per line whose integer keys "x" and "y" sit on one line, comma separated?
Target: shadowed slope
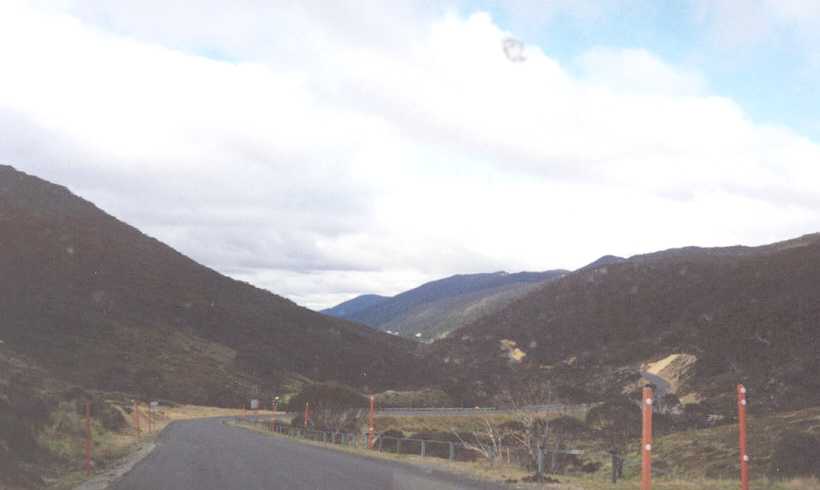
{"x": 105, "y": 305}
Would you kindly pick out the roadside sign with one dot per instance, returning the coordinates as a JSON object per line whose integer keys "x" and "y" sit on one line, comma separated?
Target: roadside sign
{"x": 154, "y": 405}
{"x": 254, "y": 404}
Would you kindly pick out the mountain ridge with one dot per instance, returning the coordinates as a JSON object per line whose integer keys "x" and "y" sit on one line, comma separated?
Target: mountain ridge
{"x": 747, "y": 314}
{"x": 437, "y": 307}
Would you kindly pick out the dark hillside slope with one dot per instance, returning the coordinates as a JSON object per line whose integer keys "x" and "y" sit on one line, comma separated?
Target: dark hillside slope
{"x": 105, "y": 305}
{"x": 439, "y": 307}
{"x": 748, "y": 314}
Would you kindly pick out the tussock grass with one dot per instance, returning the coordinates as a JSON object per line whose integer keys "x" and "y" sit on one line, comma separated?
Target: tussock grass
{"x": 64, "y": 438}
{"x": 443, "y": 423}
{"x": 482, "y": 470}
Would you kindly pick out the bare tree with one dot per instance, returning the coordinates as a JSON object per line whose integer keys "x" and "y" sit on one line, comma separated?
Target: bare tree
{"x": 339, "y": 420}
{"x": 487, "y": 441}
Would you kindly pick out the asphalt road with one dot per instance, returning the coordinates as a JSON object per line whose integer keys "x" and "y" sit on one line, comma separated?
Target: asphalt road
{"x": 209, "y": 455}
{"x": 662, "y": 386}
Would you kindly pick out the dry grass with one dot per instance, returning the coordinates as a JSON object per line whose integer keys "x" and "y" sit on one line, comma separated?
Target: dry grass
{"x": 482, "y": 470}
{"x": 444, "y": 423}
{"x": 110, "y": 448}
{"x": 713, "y": 453}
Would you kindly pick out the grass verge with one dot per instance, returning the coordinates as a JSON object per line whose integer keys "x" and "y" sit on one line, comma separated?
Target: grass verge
{"x": 65, "y": 440}
{"x": 513, "y": 475}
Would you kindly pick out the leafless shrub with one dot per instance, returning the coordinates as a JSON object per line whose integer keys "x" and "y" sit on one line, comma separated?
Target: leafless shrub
{"x": 487, "y": 441}
{"x": 339, "y": 420}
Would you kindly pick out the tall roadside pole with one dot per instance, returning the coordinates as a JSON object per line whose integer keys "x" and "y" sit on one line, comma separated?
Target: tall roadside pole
{"x": 741, "y": 420}
{"x": 646, "y": 440}
{"x": 88, "y": 438}
{"x": 371, "y": 429}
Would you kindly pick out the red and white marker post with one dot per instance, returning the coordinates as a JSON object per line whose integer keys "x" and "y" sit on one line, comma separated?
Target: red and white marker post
{"x": 646, "y": 440}
{"x": 371, "y": 429}
{"x": 88, "y": 440}
{"x": 741, "y": 421}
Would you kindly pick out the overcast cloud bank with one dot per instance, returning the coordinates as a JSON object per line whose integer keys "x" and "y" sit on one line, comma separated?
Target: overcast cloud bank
{"x": 327, "y": 153}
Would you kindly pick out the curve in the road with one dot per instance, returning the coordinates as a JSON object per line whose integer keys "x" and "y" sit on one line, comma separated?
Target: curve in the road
{"x": 209, "y": 455}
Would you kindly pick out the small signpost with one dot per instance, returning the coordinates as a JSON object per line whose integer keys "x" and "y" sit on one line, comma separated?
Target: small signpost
{"x": 254, "y": 404}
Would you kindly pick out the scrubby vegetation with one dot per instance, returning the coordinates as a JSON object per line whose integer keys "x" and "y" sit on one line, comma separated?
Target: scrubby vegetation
{"x": 748, "y": 315}
{"x": 796, "y": 454}
{"x": 109, "y": 308}
{"x": 43, "y": 433}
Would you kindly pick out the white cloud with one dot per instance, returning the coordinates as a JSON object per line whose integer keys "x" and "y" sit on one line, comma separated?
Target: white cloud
{"x": 637, "y": 71}
{"x": 338, "y": 152}
{"x": 744, "y": 23}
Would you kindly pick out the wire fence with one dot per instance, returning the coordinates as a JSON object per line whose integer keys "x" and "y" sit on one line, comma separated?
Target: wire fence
{"x": 425, "y": 448}
{"x": 545, "y": 408}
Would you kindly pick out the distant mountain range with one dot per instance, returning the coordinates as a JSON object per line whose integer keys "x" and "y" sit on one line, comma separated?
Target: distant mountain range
{"x": 99, "y": 303}
{"x": 744, "y": 314}
{"x": 355, "y": 305}
{"x": 436, "y": 308}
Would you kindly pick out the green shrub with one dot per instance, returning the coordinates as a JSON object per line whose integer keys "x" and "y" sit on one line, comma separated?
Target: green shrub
{"x": 327, "y": 396}
{"x": 796, "y": 454}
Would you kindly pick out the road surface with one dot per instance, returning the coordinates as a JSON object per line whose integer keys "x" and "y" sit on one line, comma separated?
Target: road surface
{"x": 662, "y": 386}
{"x": 209, "y": 455}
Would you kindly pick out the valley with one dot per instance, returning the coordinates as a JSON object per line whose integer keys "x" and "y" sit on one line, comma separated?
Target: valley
{"x": 95, "y": 310}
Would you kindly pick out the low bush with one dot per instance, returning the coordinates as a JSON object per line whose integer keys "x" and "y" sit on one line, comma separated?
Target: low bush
{"x": 329, "y": 396}
{"x": 796, "y": 454}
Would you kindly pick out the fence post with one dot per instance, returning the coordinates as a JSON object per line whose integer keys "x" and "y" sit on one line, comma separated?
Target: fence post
{"x": 381, "y": 439}
{"x": 398, "y": 446}
{"x": 370, "y": 425}
{"x": 136, "y": 418}
{"x": 452, "y": 451}
{"x": 87, "y": 438}
{"x": 646, "y": 440}
{"x": 540, "y": 464}
{"x": 423, "y": 448}
{"x": 614, "y": 466}
{"x": 741, "y": 420}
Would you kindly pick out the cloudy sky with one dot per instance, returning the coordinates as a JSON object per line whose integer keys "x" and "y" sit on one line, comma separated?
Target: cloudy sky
{"x": 325, "y": 151}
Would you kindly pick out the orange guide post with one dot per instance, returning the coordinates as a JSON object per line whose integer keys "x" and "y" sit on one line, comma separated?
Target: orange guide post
{"x": 370, "y": 424}
{"x": 741, "y": 420}
{"x": 646, "y": 440}
{"x": 87, "y": 438}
